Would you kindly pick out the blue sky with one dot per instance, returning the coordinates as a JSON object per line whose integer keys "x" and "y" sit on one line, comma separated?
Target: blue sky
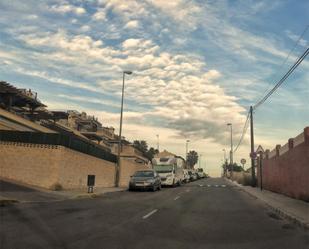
{"x": 197, "y": 66}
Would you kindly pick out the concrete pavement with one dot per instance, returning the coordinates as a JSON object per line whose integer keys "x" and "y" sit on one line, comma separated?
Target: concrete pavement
{"x": 209, "y": 213}
{"x": 295, "y": 210}
{"x": 13, "y": 192}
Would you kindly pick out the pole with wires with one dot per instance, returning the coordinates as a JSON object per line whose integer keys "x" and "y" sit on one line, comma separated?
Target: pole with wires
{"x": 252, "y": 154}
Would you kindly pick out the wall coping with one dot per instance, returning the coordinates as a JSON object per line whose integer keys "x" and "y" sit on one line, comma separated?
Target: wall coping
{"x": 302, "y": 138}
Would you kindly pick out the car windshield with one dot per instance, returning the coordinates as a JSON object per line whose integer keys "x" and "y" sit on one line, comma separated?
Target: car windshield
{"x": 144, "y": 174}
{"x": 163, "y": 168}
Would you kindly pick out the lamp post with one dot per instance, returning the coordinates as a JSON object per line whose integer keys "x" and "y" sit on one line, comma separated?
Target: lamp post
{"x": 224, "y": 154}
{"x": 231, "y": 152}
{"x": 120, "y": 130}
{"x": 187, "y": 143}
{"x": 225, "y": 162}
{"x": 158, "y": 143}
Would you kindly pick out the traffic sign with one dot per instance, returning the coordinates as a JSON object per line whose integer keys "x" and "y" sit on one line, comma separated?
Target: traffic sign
{"x": 243, "y": 161}
{"x": 253, "y": 155}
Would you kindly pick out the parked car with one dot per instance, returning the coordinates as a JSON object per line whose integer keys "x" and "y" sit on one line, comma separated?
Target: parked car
{"x": 192, "y": 175}
{"x": 186, "y": 176}
{"x": 197, "y": 175}
{"x": 200, "y": 173}
{"x": 145, "y": 179}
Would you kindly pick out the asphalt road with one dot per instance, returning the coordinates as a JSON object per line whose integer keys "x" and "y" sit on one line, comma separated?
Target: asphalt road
{"x": 203, "y": 214}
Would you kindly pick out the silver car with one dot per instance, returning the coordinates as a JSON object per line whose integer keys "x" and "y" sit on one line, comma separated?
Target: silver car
{"x": 145, "y": 179}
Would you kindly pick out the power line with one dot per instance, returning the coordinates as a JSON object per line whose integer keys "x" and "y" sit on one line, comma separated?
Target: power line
{"x": 279, "y": 83}
{"x": 288, "y": 56}
{"x": 245, "y": 128}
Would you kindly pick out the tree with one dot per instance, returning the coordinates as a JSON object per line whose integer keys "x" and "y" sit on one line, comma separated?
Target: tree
{"x": 143, "y": 147}
{"x": 236, "y": 167}
{"x": 151, "y": 152}
{"x": 192, "y": 158}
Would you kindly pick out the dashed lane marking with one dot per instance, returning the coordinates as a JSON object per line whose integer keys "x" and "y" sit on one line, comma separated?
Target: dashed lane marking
{"x": 216, "y": 185}
{"x": 149, "y": 214}
{"x": 177, "y": 197}
{"x": 201, "y": 185}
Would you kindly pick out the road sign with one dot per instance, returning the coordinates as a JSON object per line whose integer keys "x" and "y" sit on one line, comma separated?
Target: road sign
{"x": 243, "y": 161}
{"x": 253, "y": 155}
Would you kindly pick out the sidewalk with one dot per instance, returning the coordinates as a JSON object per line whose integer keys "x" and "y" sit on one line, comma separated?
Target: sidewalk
{"x": 83, "y": 193}
{"x": 292, "y": 209}
{"x": 12, "y": 192}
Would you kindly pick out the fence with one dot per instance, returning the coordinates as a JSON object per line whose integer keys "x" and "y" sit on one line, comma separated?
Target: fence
{"x": 285, "y": 169}
{"x": 70, "y": 141}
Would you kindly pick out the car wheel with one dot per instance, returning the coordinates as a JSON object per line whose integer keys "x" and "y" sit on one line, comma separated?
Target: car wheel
{"x": 154, "y": 189}
{"x": 160, "y": 187}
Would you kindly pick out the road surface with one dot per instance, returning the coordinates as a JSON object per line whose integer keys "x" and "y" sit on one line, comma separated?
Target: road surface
{"x": 208, "y": 213}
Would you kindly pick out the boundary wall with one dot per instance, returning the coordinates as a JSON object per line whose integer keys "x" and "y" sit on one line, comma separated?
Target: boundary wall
{"x": 285, "y": 169}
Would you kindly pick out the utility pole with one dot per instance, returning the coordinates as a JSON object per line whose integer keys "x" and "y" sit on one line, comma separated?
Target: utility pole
{"x": 231, "y": 152}
{"x": 187, "y": 143}
{"x": 252, "y": 154}
{"x": 120, "y": 131}
{"x": 158, "y": 143}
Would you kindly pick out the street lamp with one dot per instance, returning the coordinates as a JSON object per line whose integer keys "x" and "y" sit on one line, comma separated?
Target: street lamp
{"x": 120, "y": 130}
{"x": 225, "y": 162}
{"x": 224, "y": 154}
{"x": 187, "y": 143}
{"x": 158, "y": 143}
{"x": 231, "y": 152}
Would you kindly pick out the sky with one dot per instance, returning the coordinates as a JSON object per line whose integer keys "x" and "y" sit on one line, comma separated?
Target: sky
{"x": 197, "y": 65}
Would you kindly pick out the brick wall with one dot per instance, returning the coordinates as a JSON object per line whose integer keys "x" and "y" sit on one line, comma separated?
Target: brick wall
{"x": 75, "y": 168}
{"x": 46, "y": 165}
{"x": 33, "y": 164}
{"x": 286, "y": 170}
{"x": 127, "y": 168}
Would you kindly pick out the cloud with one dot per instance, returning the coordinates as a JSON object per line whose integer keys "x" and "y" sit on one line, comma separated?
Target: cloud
{"x": 132, "y": 24}
{"x": 296, "y": 38}
{"x": 100, "y": 15}
{"x": 179, "y": 88}
{"x": 67, "y": 8}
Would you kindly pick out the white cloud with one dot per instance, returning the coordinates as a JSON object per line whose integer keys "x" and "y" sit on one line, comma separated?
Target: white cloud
{"x": 178, "y": 87}
{"x": 100, "y": 15}
{"x": 296, "y": 38}
{"x": 67, "y": 8}
{"x": 132, "y": 24}
{"x": 85, "y": 28}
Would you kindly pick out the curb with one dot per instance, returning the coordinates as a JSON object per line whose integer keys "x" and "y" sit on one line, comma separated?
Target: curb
{"x": 281, "y": 213}
{"x": 7, "y": 202}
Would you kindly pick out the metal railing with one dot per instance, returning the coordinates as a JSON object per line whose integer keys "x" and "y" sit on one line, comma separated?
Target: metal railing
{"x": 69, "y": 141}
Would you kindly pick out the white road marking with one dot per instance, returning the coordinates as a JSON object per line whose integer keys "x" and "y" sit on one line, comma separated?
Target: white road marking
{"x": 149, "y": 214}
{"x": 208, "y": 185}
{"x": 201, "y": 185}
{"x": 188, "y": 190}
{"x": 223, "y": 186}
{"x": 177, "y": 197}
{"x": 216, "y": 185}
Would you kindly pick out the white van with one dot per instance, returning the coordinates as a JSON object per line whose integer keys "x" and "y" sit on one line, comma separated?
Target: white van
{"x": 170, "y": 169}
